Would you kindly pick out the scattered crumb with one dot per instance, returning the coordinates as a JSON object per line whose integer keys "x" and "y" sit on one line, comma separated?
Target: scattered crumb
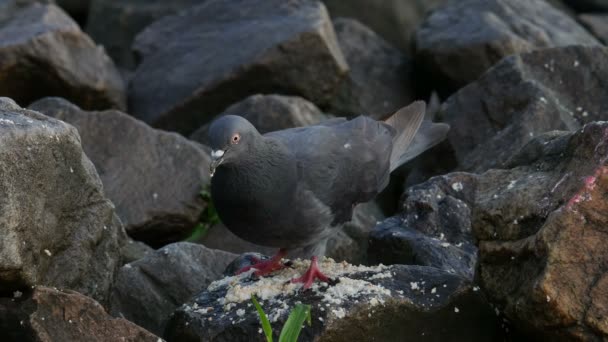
{"x": 47, "y": 252}
{"x": 17, "y": 294}
{"x": 456, "y": 310}
{"x": 155, "y": 195}
{"x": 240, "y": 312}
{"x": 71, "y": 170}
{"x": 414, "y": 286}
{"x": 457, "y": 186}
{"x": 576, "y": 64}
{"x": 543, "y": 100}
{"x": 475, "y": 288}
{"x": 340, "y": 313}
{"x": 548, "y": 299}
{"x": 445, "y": 244}
{"x": 433, "y": 290}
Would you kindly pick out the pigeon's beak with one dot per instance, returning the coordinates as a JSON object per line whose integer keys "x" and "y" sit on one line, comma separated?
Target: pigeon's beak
{"x": 217, "y": 157}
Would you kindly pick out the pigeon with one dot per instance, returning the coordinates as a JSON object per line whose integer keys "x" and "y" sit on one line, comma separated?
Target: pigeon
{"x": 291, "y": 188}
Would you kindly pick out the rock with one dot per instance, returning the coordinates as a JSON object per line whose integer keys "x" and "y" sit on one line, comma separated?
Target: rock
{"x": 588, "y": 5}
{"x": 164, "y": 205}
{"x": 57, "y": 227}
{"x": 434, "y": 228}
{"x": 148, "y": 290}
{"x": 457, "y": 43}
{"x": 380, "y": 78}
{"x": 597, "y": 24}
{"x": 393, "y": 20}
{"x": 45, "y": 50}
{"x": 522, "y": 97}
{"x": 206, "y": 58}
{"x": 114, "y": 24}
{"x": 270, "y": 113}
{"x": 402, "y": 301}
{"x": 48, "y": 314}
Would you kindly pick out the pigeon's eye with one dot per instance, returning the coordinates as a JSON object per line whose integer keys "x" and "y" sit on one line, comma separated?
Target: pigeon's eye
{"x": 235, "y": 138}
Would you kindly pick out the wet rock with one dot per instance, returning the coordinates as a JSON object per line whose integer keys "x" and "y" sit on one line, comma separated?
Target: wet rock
{"x": 45, "y": 50}
{"x": 206, "y": 58}
{"x": 597, "y": 24}
{"x": 460, "y": 41}
{"x": 387, "y": 302}
{"x": 393, "y": 20}
{"x": 161, "y": 207}
{"x": 270, "y": 113}
{"x": 47, "y": 314}
{"x": 380, "y": 78}
{"x": 434, "y": 228}
{"x": 148, "y": 290}
{"x": 114, "y": 24}
{"x": 522, "y": 97}
{"x": 57, "y": 227}
{"x": 542, "y": 233}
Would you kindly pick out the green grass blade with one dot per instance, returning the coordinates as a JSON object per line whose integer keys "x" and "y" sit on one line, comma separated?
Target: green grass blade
{"x": 293, "y": 326}
{"x": 198, "y": 232}
{"x": 263, "y": 319}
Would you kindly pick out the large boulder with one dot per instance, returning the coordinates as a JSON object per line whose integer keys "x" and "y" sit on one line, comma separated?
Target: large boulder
{"x": 148, "y": 290}
{"x": 43, "y": 52}
{"x": 522, "y": 97}
{"x": 114, "y": 24}
{"x": 460, "y": 41}
{"x": 153, "y": 177}
{"x": 270, "y": 113}
{"x": 388, "y": 303}
{"x": 46, "y": 314}
{"x": 380, "y": 78}
{"x": 206, "y": 58}
{"x": 57, "y": 227}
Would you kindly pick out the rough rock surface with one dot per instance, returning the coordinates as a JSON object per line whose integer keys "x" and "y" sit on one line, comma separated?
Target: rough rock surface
{"x": 390, "y": 303}
{"x": 153, "y": 177}
{"x": 597, "y": 24}
{"x": 148, "y": 290}
{"x": 206, "y": 58}
{"x": 380, "y": 78}
{"x": 57, "y": 227}
{"x": 46, "y": 314}
{"x": 45, "y": 50}
{"x": 460, "y": 41}
{"x": 434, "y": 228}
{"x": 393, "y": 20}
{"x": 270, "y": 113}
{"x": 524, "y": 96}
{"x": 114, "y": 24}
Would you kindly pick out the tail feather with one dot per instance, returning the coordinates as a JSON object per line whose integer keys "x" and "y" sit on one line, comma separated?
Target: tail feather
{"x": 414, "y": 134}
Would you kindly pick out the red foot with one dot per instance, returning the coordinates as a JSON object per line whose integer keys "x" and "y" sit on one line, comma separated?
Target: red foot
{"x": 309, "y": 277}
{"x": 267, "y": 266}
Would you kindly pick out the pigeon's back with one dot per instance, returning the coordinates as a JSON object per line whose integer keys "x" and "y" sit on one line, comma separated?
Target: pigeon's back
{"x": 342, "y": 162}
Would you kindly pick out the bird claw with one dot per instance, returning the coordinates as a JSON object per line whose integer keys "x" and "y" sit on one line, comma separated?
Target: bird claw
{"x": 311, "y": 274}
{"x": 265, "y": 267}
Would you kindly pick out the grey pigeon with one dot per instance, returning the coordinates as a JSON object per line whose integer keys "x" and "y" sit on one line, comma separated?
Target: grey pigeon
{"x": 291, "y": 188}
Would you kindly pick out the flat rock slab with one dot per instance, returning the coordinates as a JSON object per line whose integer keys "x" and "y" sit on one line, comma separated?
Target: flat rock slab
{"x": 204, "y": 59}
{"x": 153, "y": 177}
{"x": 57, "y": 227}
{"x": 43, "y": 52}
{"x": 522, "y": 97}
{"x": 148, "y": 290}
{"x": 461, "y": 40}
{"x": 49, "y": 314}
{"x": 388, "y": 302}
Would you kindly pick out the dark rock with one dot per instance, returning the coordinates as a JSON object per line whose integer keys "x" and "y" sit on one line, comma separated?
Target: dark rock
{"x": 164, "y": 205}
{"x": 433, "y": 230}
{"x": 270, "y": 113}
{"x": 148, "y": 290}
{"x": 390, "y": 303}
{"x": 44, "y": 53}
{"x": 114, "y": 24}
{"x": 522, "y": 97}
{"x": 393, "y": 20}
{"x": 597, "y": 24}
{"x": 57, "y": 227}
{"x": 206, "y": 58}
{"x": 588, "y": 5}
{"x": 460, "y": 41}
{"x": 380, "y": 78}
{"x": 47, "y": 314}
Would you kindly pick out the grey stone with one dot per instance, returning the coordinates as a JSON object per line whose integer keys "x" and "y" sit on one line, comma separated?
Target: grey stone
{"x": 206, "y": 58}
{"x": 153, "y": 177}
{"x": 147, "y": 291}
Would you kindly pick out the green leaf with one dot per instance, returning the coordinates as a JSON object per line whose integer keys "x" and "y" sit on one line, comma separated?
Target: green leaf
{"x": 198, "y": 232}
{"x": 293, "y": 326}
{"x": 263, "y": 319}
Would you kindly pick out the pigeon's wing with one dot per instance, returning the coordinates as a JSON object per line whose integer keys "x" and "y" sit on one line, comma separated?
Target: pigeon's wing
{"x": 343, "y": 163}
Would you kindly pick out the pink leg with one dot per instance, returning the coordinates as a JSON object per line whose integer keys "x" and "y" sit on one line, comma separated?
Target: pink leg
{"x": 267, "y": 266}
{"x": 313, "y": 273}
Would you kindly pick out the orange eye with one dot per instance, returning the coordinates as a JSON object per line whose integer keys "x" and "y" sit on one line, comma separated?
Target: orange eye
{"x": 236, "y": 138}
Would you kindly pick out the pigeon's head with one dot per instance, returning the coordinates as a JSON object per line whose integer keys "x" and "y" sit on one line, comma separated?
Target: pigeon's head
{"x": 229, "y": 138}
